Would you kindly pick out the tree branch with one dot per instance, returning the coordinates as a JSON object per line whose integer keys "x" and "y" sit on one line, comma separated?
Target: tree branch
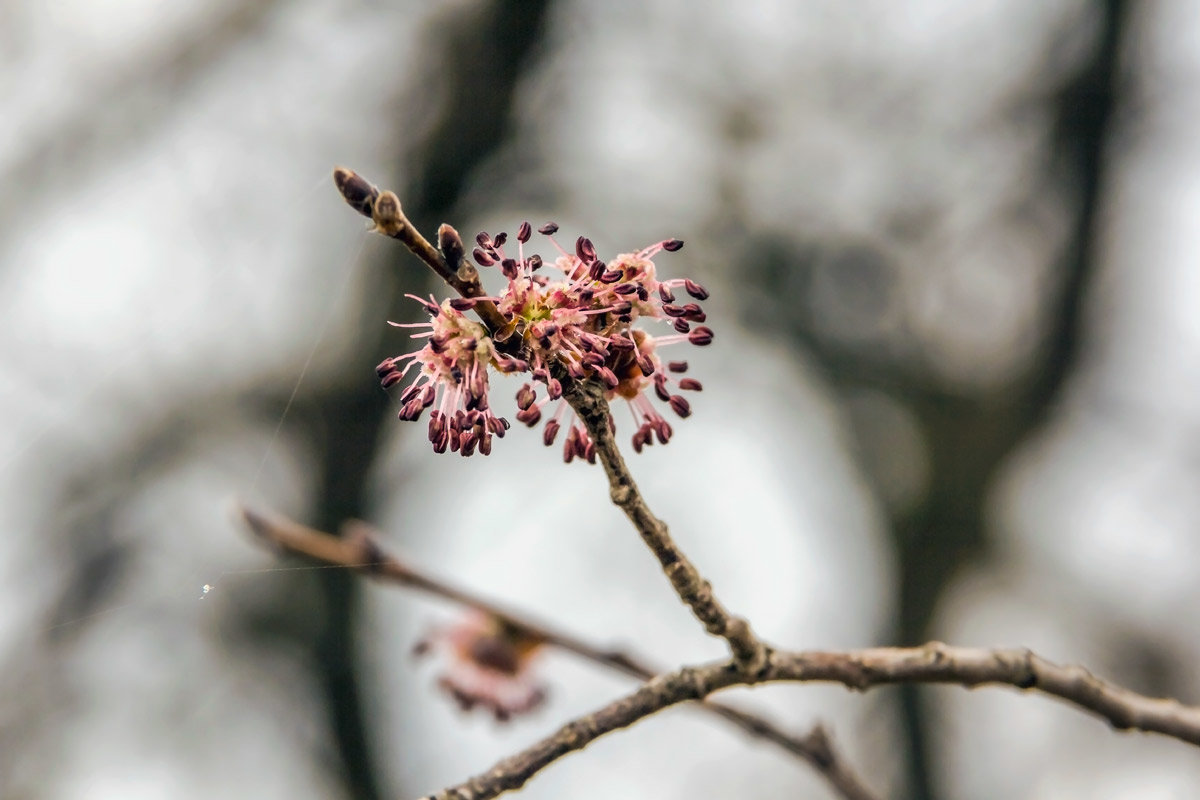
{"x": 358, "y": 549}
{"x": 753, "y": 662}
{"x": 859, "y": 670}
{"x": 446, "y": 261}
{"x": 749, "y": 653}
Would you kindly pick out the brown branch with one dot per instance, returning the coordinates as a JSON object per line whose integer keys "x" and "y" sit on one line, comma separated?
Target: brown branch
{"x": 749, "y": 653}
{"x": 753, "y": 662}
{"x": 448, "y": 263}
{"x": 859, "y": 670}
{"x": 358, "y": 549}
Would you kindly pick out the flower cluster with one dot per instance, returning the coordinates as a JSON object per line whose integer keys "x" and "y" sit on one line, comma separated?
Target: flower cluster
{"x": 572, "y": 317}
{"x": 486, "y": 664}
{"x": 453, "y": 376}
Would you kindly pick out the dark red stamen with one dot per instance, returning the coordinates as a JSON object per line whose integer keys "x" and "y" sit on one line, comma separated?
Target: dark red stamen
{"x": 550, "y": 432}
{"x": 585, "y": 249}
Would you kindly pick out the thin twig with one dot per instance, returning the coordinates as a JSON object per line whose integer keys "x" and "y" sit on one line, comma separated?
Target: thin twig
{"x": 749, "y": 653}
{"x": 383, "y": 208}
{"x": 358, "y": 549}
{"x": 859, "y": 670}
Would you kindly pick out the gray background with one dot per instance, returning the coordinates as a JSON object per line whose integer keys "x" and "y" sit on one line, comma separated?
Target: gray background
{"x": 951, "y": 248}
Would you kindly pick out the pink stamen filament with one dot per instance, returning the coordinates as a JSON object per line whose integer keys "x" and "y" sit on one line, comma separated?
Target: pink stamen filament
{"x": 675, "y": 339}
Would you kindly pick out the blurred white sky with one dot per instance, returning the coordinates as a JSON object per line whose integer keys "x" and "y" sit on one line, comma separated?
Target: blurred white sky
{"x": 197, "y": 245}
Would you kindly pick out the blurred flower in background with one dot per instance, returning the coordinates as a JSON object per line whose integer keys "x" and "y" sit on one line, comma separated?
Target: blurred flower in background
{"x": 951, "y": 252}
{"x": 486, "y": 664}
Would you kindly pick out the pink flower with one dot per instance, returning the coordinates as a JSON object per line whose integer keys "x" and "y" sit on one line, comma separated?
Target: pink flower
{"x": 578, "y": 315}
{"x": 584, "y": 322}
{"x": 486, "y": 664}
{"x": 453, "y": 377}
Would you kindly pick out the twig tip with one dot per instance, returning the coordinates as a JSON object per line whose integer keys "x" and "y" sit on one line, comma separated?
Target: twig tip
{"x": 256, "y": 522}
{"x": 356, "y": 190}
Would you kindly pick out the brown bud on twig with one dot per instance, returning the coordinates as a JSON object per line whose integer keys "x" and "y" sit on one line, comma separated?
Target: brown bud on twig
{"x": 388, "y": 217}
{"x": 355, "y": 189}
{"x": 468, "y": 278}
{"x": 451, "y": 245}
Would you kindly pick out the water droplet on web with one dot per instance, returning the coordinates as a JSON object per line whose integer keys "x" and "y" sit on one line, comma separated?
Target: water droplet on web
{"x": 205, "y": 590}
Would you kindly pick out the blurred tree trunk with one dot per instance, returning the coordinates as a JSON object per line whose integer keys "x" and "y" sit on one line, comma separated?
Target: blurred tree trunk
{"x": 969, "y": 438}
{"x": 481, "y": 55}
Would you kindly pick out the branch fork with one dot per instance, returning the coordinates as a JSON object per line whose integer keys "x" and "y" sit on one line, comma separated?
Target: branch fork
{"x": 751, "y": 660}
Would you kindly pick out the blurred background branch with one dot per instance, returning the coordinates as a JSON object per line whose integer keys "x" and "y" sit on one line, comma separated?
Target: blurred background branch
{"x": 358, "y": 550}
